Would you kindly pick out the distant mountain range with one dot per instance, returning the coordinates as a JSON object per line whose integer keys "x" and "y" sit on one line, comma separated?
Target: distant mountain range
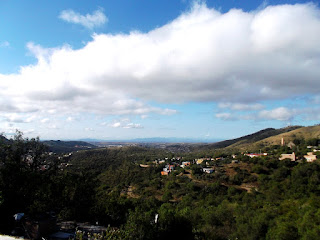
{"x": 154, "y": 140}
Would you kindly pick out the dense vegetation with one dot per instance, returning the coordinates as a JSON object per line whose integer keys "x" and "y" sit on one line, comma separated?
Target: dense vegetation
{"x": 257, "y": 198}
{"x": 67, "y": 146}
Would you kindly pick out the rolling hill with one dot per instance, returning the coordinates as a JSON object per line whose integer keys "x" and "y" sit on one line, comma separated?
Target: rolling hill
{"x": 58, "y": 146}
{"x": 299, "y": 133}
{"x": 254, "y": 137}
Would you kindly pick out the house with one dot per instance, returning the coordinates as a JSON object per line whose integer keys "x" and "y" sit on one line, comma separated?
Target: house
{"x": 208, "y": 170}
{"x": 185, "y": 164}
{"x": 291, "y": 156}
{"x": 199, "y": 161}
{"x": 310, "y": 157}
{"x": 252, "y": 155}
{"x": 167, "y": 169}
{"x": 164, "y": 173}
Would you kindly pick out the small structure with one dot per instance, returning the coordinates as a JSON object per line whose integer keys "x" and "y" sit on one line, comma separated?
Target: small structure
{"x": 208, "y": 170}
{"x": 164, "y": 173}
{"x": 252, "y": 155}
{"x": 185, "y": 164}
{"x": 145, "y": 165}
{"x": 310, "y": 157}
{"x": 291, "y": 156}
{"x": 167, "y": 169}
{"x": 199, "y": 161}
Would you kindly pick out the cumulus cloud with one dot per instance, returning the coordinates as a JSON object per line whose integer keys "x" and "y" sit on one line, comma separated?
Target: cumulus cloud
{"x": 70, "y": 119}
{"x": 225, "y": 116}
{"x": 4, "y": 44}
{"x": 281, "y": 114}
{"x": 90, "y": 21}
{"x": 124, "y": 123}
{"x": 202, "y": 55}
{"x": 241, "y": 106}
{"x": 17, "y": 118}
{"x": 44, "y": 120}
{"x": 28, "y": 131}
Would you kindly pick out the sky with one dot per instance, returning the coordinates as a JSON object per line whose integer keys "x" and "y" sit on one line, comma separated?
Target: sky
{"x": 126, "y": 69}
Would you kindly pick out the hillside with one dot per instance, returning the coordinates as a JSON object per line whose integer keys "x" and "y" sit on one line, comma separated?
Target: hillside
{"x": 288, "y": 134}
{"x": 301, "y": 133}
{"x": 251, "y": 138}
{"x": 58, "y": 146}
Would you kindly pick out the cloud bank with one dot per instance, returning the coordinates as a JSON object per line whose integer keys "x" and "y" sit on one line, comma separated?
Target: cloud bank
{"x": 237, "y": 58}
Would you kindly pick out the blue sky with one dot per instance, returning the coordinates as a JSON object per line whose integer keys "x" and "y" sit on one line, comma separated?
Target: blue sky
{"x": 137, "y": 69}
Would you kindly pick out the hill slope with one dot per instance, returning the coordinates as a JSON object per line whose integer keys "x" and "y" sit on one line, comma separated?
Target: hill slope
{"x": 67, "y": 146}
{"x": 253, "y": 138}
{"x": 300, "y": 133}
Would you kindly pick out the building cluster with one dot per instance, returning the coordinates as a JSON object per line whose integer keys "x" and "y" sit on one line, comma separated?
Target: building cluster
{"x": 176, "y": 162}
{"x": 310, "y": 157}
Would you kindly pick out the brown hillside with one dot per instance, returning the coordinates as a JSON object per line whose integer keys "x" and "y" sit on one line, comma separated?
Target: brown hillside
{"x": 300, "y": 133}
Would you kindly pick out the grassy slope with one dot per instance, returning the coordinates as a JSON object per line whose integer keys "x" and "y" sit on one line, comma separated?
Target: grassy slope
{"x": 251, "y": 138}
{"x": 299, "y": 133}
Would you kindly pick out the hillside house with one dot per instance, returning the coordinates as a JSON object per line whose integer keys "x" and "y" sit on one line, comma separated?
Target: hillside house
{"x": 208, "y": 170}
{"x": 291, "y": 156}
{"x": 252, "y": 155}
{"x": 185, "y": 164}
{"x": 310, "y": 157}
{"x": 199, "y": 161}
{"x": 168, "y": 169}
{"x": 163, "y": 173}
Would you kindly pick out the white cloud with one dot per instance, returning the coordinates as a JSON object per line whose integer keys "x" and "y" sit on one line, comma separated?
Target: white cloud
{"x": 44, "y": 120}
{"x": 89, "y": 129}
{"x": 90, "y": 21}
{"x": 115, "y": 125}
{"x": 18, "y": 118}
{"x": 133, "y": 125}
{"x": 203, "y": 55}
{"x": 28, "y": 131}
{"x": 70, "y": 119}
{"x": 124, "y": 123}
{"x": 281, "y": 114}
{"x": 241, "y": 106}
{"x": 4, "y": 44}
{"x": 53, "y": 126}
{"x": 225, "y": 116}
